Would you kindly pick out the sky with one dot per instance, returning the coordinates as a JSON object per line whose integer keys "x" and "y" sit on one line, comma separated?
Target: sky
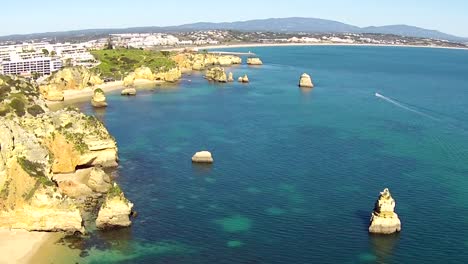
{"x": 32, "y": 16}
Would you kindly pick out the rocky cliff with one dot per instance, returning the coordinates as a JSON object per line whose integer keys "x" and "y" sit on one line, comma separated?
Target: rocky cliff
{"x": 216, "y": 74}
{"x": 145, "y": 73}
{"x": 201, "y": 61}
{"x": 72, "y": 78}
{"x": 38, "y": 147}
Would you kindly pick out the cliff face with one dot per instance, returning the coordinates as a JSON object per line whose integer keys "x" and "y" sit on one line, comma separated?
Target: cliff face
{"x": 145, "y": 73}
{"x": 198, "y": 62}
{"x": 73, "y": 78}
{"x": 36, "y": 149}
{"x": 216, "y": 74}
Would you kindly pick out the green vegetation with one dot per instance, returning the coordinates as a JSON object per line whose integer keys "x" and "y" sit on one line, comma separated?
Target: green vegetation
{"x": 77, "y": 139}
{"x": 18, "y": 96}
{"x": 35, "y": 170}
{"x": 119, "y": 62}
{"x": 114, "y": 191}
{"x": 5, "y": 190}
{"x": 18, "y": 106}
{"x": 98, "y": 90}
{"x": 35, "y": 110}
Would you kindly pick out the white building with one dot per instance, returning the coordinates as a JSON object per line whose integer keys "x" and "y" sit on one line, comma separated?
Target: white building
{"x": 42, "y": 57}
{"x": 144, "y": 40}
{"x": 41, "y": 65}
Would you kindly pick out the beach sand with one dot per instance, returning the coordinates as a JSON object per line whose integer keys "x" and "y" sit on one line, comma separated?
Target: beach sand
{"x": 19, "y": 246}
{"x": 78, "y": 95}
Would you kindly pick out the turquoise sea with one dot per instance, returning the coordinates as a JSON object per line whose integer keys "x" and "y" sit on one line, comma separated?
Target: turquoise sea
{"x": 297, "y": 171}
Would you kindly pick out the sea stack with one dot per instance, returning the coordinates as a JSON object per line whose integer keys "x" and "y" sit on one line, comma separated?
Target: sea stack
{"x": 99, "y": 99}
{"x": 202, "y": 157}
{"x": 216, "y": 74}
{"x": 254, "y": 61}
{"x": 128, "y": 91}
{"x": 384, "y": 220}
{"x": 115, "y": 211}
{"x": 230, "y": 77}
{"x": 244, "y": 79}
{"x": 306, "y": 81}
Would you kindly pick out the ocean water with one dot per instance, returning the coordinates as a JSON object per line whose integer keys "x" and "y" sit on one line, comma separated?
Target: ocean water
{"x": 297, "y": 171}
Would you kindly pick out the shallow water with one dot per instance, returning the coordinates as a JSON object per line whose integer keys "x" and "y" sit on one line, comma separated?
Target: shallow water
{"x": 296, "y": 171}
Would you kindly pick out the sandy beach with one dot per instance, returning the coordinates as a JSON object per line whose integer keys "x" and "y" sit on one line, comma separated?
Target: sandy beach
{"x": 19, "y": 246}
{"x": 75, "y": 95}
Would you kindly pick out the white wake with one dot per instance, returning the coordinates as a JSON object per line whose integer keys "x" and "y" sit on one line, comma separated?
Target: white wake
{"x": 394, "y": 102}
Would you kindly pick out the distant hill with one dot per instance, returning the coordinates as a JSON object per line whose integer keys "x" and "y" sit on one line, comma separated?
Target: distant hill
{"x": 296, "y": 24}
{"x": 410, "y": 31}
{"x": 284, "y": 25}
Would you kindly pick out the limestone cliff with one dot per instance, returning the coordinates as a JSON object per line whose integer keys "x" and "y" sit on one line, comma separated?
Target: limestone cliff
{"x": 254, "y": 61}
{"x": 201, "y": 61}
{"x": 384, "y": 220}
{"x": 39, "y": 149}
{"x": 216, "y": 74}
{"x": 145, "y": 73}
{"x": 71, "y": 78}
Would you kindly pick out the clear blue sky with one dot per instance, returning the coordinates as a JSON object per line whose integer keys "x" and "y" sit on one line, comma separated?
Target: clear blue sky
{"x": 28, "y": 16}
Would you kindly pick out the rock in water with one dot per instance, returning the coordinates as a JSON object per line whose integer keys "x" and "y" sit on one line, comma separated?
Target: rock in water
{"x": 254, "y": 61}
{"x": 244, "y": 79}
{"x": 202, "y": 157}
{"x": 384, "y": 220}
{"x": 99, "y": 99}
{"x": 216, "y": 74}
{"x": 230, "y": 77}
{"x": 306, "y": 81}
{"x": 115, "y": 211}
{"x": 128, "y": 91}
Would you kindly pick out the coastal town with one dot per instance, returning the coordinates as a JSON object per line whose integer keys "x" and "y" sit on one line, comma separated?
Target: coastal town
{"x": 40, "y": 57}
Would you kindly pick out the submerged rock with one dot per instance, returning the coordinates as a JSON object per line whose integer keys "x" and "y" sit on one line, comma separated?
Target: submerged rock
{"x": 99, "y": 99}
{"x": 254, "y": 61}
{"x": 115, "y": 211}
{"x": 128, "y": 91}
{"x": 306, "y": 81}
{"x": 202, "y": 157}
{"x": 384, "y": 220}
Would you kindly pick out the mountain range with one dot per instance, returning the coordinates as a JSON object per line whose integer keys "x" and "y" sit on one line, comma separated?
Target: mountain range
{"x": 284, "y": 25}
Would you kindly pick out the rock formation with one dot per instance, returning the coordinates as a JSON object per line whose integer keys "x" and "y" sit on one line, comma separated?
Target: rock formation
{"x": 41, "y": 152}
{"x": 202, "y": 157}
{"x": 216, "y": 74}
{"x": 115, "y": 211}
{"x": 128, "y": 91}
{"x": 254, "y": 61}
{"x": 384, "y": 220}
{"x": 99, "y": 99}
{"x": 244, "y": 79}
{"x": 306, "y": 81}
{"x": 145, "y": 73}
{"x": 201, "y": 61}
{"x": 230, "y": 77}
{"x": 70, "y": 78}
{"x": 172, "y": 75}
